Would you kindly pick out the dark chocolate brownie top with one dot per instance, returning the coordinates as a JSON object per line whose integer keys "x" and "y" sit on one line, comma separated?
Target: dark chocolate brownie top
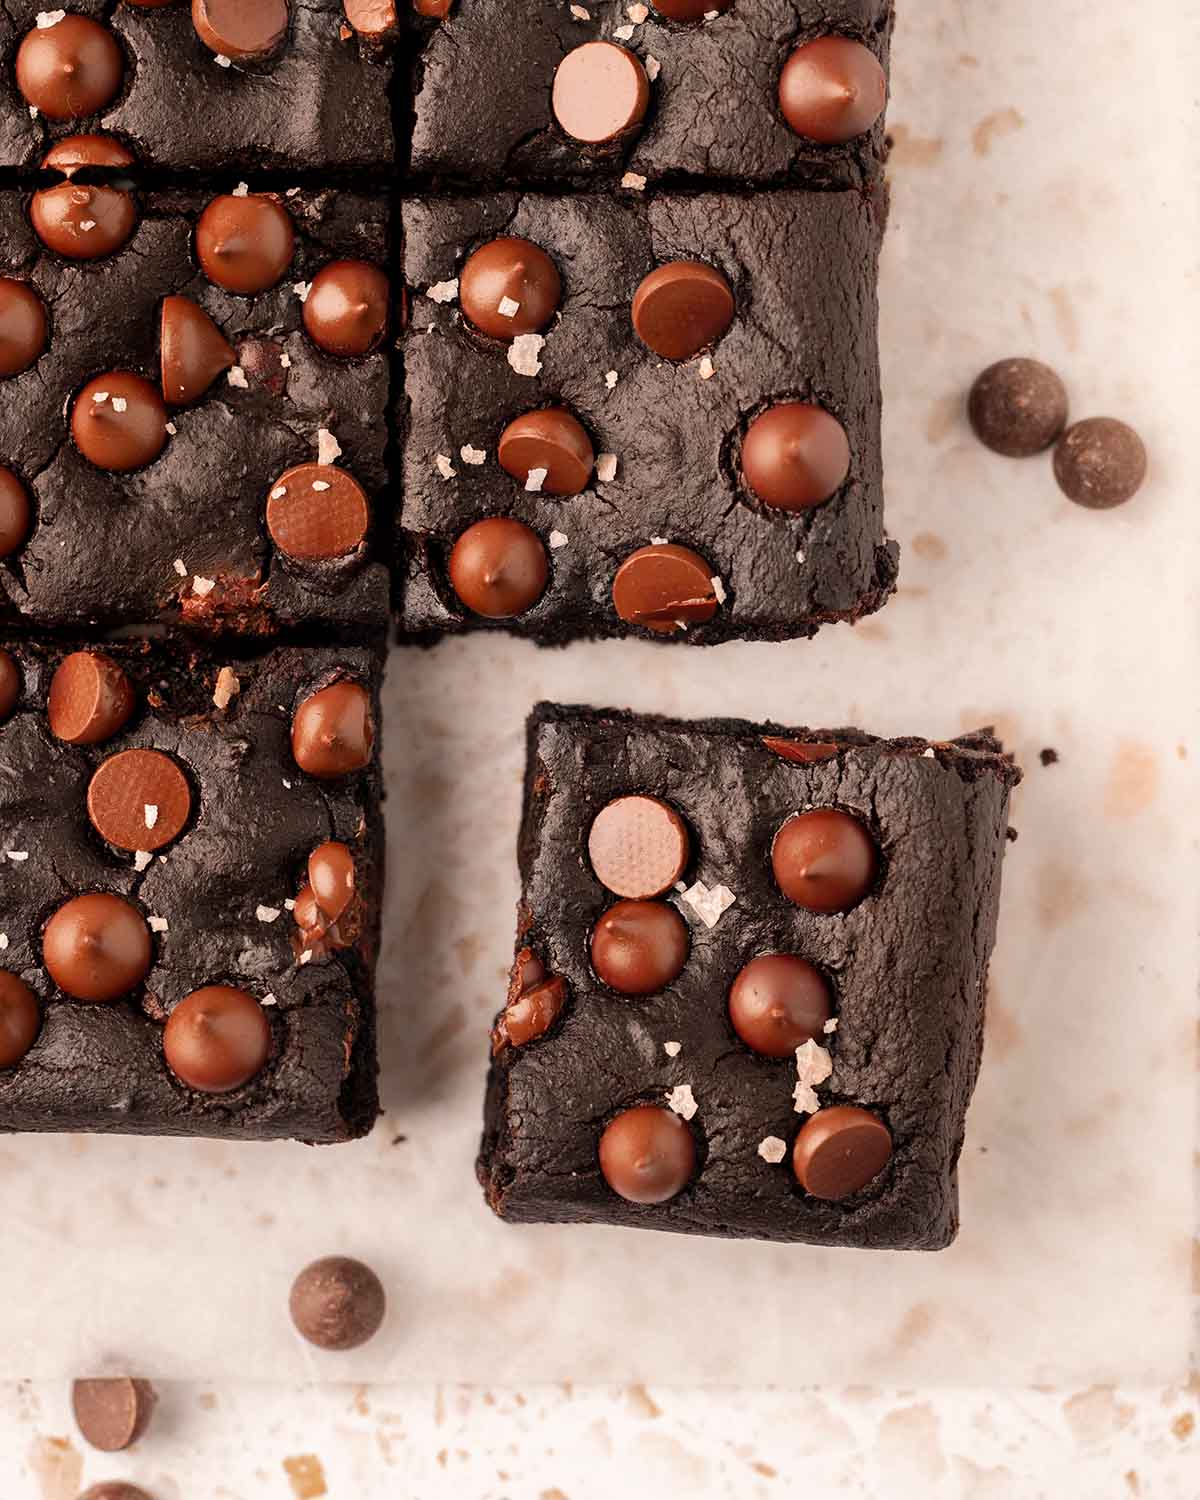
{"x": 713, "y": 112}
{"x": 802, "y": 269}
{"x": 907, "y": 968}
{"x": 116, "y": 548}
{"x": 320, "y": 100}
{"x": 214, "y": 897}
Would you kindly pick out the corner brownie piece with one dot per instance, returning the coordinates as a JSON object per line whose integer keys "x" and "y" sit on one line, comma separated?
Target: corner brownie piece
{"x": 183, "y": 524}
{"x": 313, "y": 93}
{"x": 749, "y": 992}
{"x": 664, "y": 441}
{"x": 172, "y": 822}
{"x": 692, "y": 92}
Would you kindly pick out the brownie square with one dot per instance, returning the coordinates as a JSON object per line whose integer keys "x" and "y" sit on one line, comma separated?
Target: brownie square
{"x": 802, "y": 267}
{"x": 321, "y": 99}
{"x": 184, "y": 538}
{"x": 904, "y": 966}
{"x": 482, "y": 81}
{"x": 219, "y": 897}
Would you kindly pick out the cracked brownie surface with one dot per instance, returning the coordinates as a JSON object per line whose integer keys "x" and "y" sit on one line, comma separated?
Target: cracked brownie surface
{"x": 906, "y": 969}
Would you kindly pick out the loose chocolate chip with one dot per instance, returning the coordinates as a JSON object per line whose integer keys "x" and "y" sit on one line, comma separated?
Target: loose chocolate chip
{"x": 115, "y": 1489}
{"x": 664, "y": 588}
{"x": 600, "y": 91}
{"x": 681, "y": 308}
{"x": 70, "y": 69}
{"x": 216, "y": 1039}
{"x": 373, "y": 19}
{"x": 778, "y": 1002}
{"x": 639, "y": 947}
{"x": 832, "y": 90}
{"x": 331, "y": 876}
{"x": 245, "y": 244}
{"x": 508, "y": 287}
{"x": 193, "y": 351}
{"x": 97, "y": 947}
{"x": 690, "y": 10}
{"x": 333, "y": 731}
{"x": 498, "y": 568}
{"x": 119, "y": 422}
{"x": 139, "y": 800}
{"x": 824, "y": 860}
{"x": 1100, "y": 463}
{"x": 15, "y": 513}
{"x": 551, "y": 440}
{"x": 10, "y": 684}
{"x": 22, "y": 326}
{"x": 112, "y": 1414}
{"x": 240, "y": 28}
{"x": 839, "y": 1151}
{"x": 80, "y": 222}
{"x": 795, "y": 456}
{"x": 20, "y": 1019}
{"x": 647, "y": 1154}
{"x": 75, "y": 151}
{"x": 337, "y": 1303}
{"x": 1017, "y": 407}
{"x": 346, "y": 310}
{"x": 638, "y": 847}
{"x": 316, "y": 512}
{"x": 530, "y": 1012}
{"x": 90, "y": 699}
{"x": 800, "y": 752}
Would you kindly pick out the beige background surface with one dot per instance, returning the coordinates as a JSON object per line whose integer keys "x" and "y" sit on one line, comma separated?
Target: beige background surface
{"x": 1042, "y": 203}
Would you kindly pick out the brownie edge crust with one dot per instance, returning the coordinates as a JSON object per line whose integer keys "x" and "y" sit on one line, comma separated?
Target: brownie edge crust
{"x": 905, "y": 970}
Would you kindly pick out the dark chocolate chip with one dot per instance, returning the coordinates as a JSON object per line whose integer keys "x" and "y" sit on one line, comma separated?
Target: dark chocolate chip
{"x": 795, "y": 456}
{"x": 346, "y": 310}
{"x": 15, "y": 513}
{"x": 664, "y": 588}
{"x": 839, "y": 1151}
{"x": 832, "y": 89}
{"x": 240, "y": 29}
{"x": 333, "y": 731}
{"x": 498, "y": 568}
{"x": 509, "y": 287}
{"x": 245, "y": 243}
{"x": 194, "y": 351}
{"x": 337, "y": 1303}
{"x": 551, "y": 439}
{"x": 82, "y": 222}
{"x": 639, "y": 947}
{"x": 97, "y": 947}
{"x": 778, "y": 1002}
{"x": 119, "y": 422}
{"x": 824, "y": 860}
{"x": 22, "y": 326}
{"x": 69, "y": 69}
{"x": 647, "y": 1154}
{"x": 316, "y": 512}
{"x": 90, "y": 699}
{"x": 10, "y": 684}
{"x": 1100, "y": 463}
{"x": 20, "y": 1019}
{"x": 600, "y": 92}
{"x": 681, "y": 308}
{"x": 139, "y": 800}
{"x": 1018, "y": 407}
{"x": 217, "y": 1039}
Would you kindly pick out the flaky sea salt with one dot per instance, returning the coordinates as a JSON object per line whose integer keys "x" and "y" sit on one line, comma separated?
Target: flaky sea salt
{"x": 227, "y": 688}
{"x": 606, "y": 467}
{"x": 507, "y": 307}
{"x": 328, "y": 447}
{"x": 535, "y": 479}
{"x": 443, "y": 291}
{"x": 772, "y": 1149}
{"x": 634, "y": 181}
{"x": 610, "y": 380}
{"x": 141, "y": 859}
{"x": 830, "y": 1026}
{"x": 813, "y": 1066}
{"x": 623, "y": 33}
{"x": 637, "y": 13}
{"x": 267, "y": 913}
{"x": 558, "y": 539}
{"x": 709, "y": 906}
{"x": 444, "y": 467}
{"x": 682, "y": 1101}
{"x": 653, "y": 67}
{"x": 471, "y": 455}
{"x": 237, "y": 377}
{"x": 672, "y": 1049}
{"x": 150, "y": 813}
{"x": 241, "y": 191}
{"x": 203, "y": 586}
{"x": 580, "y": 13}
{"x": 222, "y": 61}
{"x": 718, "y": 589}
{"x": 48, "y": 18}
{"x": 707, "y": 368}
{"x": 158, "y": 924}
{"x": 524, "y": 352}
{"x": 302, "y": 289}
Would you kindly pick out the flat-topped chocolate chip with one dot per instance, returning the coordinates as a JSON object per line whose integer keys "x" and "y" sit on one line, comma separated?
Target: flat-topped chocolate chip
{"x": 795, "y": 456}
{"x": 778, "y": 1002}
{"x": 547, "y": 450}
{"x": 240, "y": 29}
{"x": 681, "y": 308}
{"x": 217, "y": 1039}
{"x": 193, "y": 351}
{"x": 346, "y": 310}
{"x": 647, "y": 1154}
{"x": 139, "y": 800}
{"x": 498, "y": 568}
{"x": 600, "y": 92}
{"x": 91, "y": 698}
{"x": 97, "y": 947}
{"x": 824, "y": 860}
{"x": 638, "y": 846}
{"x": 1100, "y": 463}
{"x": 16, "y": 514}
{"x": 1018, "y": 407}
{"x": 69, "y": 69}
{"x": 832, "y": 89}
{"x": 112, "y": 1413}
{"x": 664, "y": 588}
{"x": 508, "y": 287}
{"x": 333, "y": 731}
{"x": 23, "y": 330}
{"x": 245, "y": 242}
{"x": 119, "y": 422}
{"x": 20, "y": 1019}
{"x": 337, "y": 1303}
{"x": 80, "y": 221}
{"x": 10, "y": 684}
{"x": 839, "y": 1151}
{"x": 316, "y": 512}
{"x": 639, "y": 947}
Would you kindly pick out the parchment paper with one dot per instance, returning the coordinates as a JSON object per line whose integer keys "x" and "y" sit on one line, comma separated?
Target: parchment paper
{"x": 1044, "y": 202}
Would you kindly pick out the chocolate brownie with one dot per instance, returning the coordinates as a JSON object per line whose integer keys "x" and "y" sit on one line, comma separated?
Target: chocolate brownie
{"x": 174, "y": 821}
{"x": 749, "y": 992}
{"x": 302, "y": 88}
{"x": 503, "y": 95}
{"x": 183, "y": 522}
{"x": 659, "y": 449}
